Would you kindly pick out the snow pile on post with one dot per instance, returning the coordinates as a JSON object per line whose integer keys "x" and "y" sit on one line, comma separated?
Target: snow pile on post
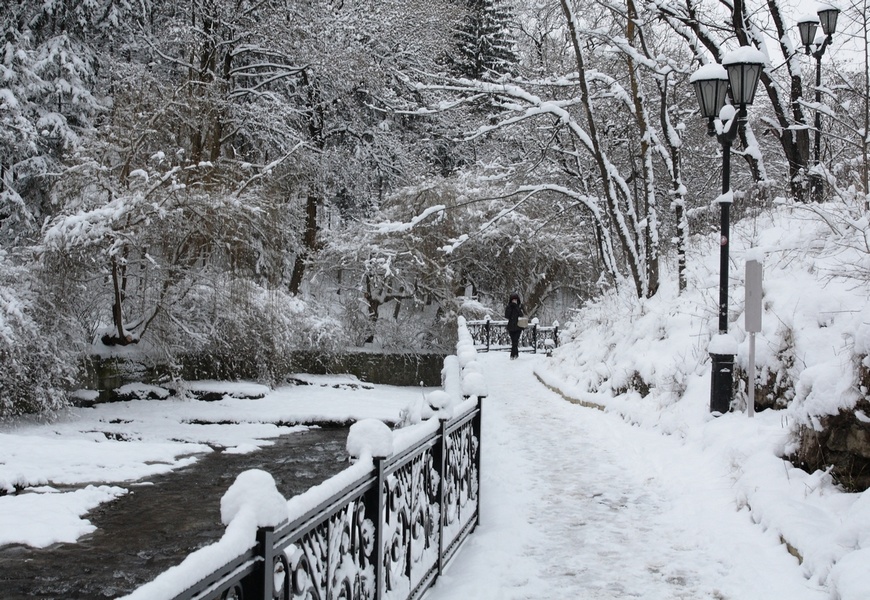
{"x": 439, "y": 400}
{"x": 252, "y": 501}
{"x": 722, "y": 343}
{"x": 451, "y": 379}
{"x": 254, "y": 497}
{"x": 472, "y": 382}
{"x": 370, "y": 437}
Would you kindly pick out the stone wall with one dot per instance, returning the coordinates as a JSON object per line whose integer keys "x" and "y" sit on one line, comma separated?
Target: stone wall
{"x": 842, "y": 445}
{"x": 384, "y": 369}
{"x": 402, "y": 369}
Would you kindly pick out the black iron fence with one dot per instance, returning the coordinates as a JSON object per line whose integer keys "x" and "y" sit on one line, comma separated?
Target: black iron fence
{"x": 385, "y": 535}
{"x": 386, "y": 530}
{"x": 493, "y": 335}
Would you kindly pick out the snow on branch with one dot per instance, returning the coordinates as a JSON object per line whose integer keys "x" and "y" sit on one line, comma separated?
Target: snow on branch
{"x": 394, "y": 227}
{"x": 527, "y": 105}
{"x": 267, "y": 169}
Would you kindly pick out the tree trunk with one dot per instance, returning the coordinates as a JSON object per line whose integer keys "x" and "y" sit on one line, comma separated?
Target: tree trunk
{"x": 309, "y": 243}
{"x": 117, "y": 313}
{"x": 648, "y": 236}
{"x": 629, "y": 247}
{"x": 795, "y": 146}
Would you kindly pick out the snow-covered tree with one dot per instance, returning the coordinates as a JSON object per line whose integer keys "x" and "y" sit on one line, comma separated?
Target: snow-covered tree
{"x": 229, "y": 128}
{"x": 600, "y": 134}
{"x": 485, "y": 46}
{"x": 711, "y": 31}
{"x": 47, "y": 101}
{"x": 846, "y": 151}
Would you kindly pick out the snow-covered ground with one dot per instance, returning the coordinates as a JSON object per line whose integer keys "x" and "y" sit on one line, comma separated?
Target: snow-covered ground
{"x": 576, "y": 502}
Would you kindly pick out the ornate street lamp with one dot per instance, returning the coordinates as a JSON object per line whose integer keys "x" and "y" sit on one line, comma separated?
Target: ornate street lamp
{"x": 711, "y": 88}
{"x": 807, "y": 26}
{"x": 739, "y": 75}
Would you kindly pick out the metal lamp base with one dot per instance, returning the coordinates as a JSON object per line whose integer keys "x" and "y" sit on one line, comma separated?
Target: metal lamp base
{"x": 721, "y": 383}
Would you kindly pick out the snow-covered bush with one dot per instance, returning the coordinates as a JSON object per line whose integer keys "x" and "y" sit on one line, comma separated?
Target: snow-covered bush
{"x": 38, "y": 357}
{"x": 640, "y": 357}
{"x": 240, "y": 330}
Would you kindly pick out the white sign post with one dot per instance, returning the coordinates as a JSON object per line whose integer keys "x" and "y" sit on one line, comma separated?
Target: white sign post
{"x": 753, "y": 324}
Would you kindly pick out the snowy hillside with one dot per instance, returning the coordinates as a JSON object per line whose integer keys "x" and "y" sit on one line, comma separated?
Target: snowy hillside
{"x": 814, "y": 322}
{"x": 648, "y": 361}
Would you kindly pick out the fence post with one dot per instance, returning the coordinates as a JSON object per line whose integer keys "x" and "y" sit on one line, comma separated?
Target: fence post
{"x": 442, "y": 469}
{"x": 477, "y": 429}
{"x": 486, "y": 328}
{"x": 266, "y": 549}
{"x": 556, "y": 334}
{"x": 379, "y": 520}
{"x": 534, "y": 338}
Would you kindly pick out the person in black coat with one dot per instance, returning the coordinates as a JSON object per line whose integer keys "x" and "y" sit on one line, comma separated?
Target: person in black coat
{"x": 512, "y": 312}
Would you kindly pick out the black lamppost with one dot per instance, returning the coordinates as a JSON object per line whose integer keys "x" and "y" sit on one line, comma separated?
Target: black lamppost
{"x": 807, "y": 26}
{"x": 740, "y": 73}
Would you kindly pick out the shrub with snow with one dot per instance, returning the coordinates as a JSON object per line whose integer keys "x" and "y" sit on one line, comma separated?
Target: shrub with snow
{"x": 38, "y": 355}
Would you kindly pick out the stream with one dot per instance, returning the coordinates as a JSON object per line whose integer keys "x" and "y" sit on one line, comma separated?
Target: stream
{"x": 155, "y": 526}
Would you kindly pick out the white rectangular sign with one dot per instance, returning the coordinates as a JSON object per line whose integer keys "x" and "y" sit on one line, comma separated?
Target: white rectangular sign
{"x": 753, "y": 296}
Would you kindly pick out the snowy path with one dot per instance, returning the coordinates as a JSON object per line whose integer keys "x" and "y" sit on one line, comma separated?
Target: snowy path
{"x": 577, "y": 504}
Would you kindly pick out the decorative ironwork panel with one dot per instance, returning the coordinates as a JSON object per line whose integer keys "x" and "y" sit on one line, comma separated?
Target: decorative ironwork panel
{"x": 335, "y": 560}
{"x": 478, "y": 332}
{"x": 412, "y": 524}
{"x": 385, "y": 536}
{"x": 461, "y": 480}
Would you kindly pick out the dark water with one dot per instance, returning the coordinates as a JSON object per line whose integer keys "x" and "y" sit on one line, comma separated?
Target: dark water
{"x": 153, "y": 527}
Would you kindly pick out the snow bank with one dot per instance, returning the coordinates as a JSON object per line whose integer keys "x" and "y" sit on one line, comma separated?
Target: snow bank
{"x": 60, "y": 515}
{"x": 648, "y": 360}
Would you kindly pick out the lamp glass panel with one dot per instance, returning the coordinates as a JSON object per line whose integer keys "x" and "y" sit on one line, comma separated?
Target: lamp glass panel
{"x": 808, "y": 32}
{"x": 744, "y": 81}
{"x": 828, "y": 20}
{"x": 711, "y": 95}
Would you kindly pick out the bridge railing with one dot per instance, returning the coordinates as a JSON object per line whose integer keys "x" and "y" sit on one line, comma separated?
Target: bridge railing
{"x": 493, "y": 335}
{"x": 382, "y": 529}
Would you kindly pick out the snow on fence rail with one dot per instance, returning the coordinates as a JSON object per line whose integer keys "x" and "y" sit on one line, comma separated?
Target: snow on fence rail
{"x": 383, "y": 528}
{"x": 492, "y": 335}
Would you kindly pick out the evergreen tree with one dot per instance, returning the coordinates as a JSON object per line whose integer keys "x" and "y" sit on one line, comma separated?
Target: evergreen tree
{"x": 485, "y": 48}
{"x": 47, "y": 106}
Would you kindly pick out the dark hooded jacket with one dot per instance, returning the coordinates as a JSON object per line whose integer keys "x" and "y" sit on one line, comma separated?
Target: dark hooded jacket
{"x": 512, "y": 312}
